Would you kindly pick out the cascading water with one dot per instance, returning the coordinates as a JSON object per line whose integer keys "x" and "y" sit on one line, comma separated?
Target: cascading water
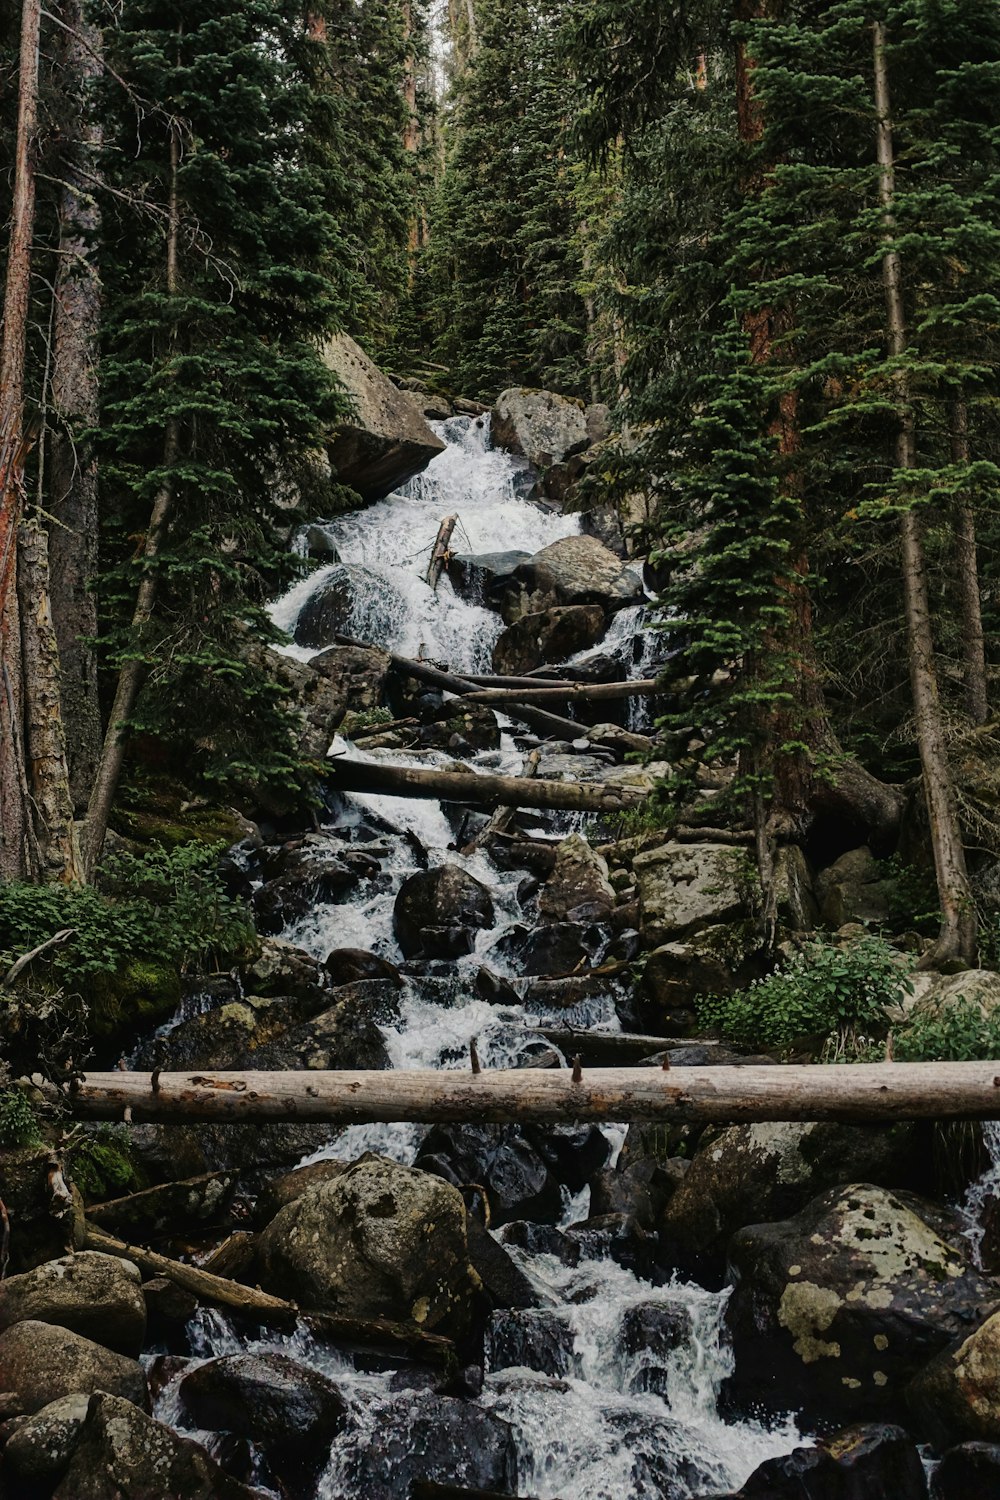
{"x": 618, "y": 1422}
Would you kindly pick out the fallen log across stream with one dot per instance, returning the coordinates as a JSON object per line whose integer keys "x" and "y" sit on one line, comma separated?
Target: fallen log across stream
{"x": 481, "y": 789}
{"x": 866, "y": 1092}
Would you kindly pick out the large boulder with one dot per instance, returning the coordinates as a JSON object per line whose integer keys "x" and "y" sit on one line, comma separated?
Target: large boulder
{"x": 714, "y": 960}
{"x": 316, "y": 700}
{"x": 482, "y": 577}
{"x": 421, "y": 1436}
{"x": 835, "y": 1310}
{"x": 530, "y": 1338}
{"x": 518, "y": 1182}
{"x": 750, "y": 1173}
{"x": 40, "y": 1363}
{"x": 38, "y": 1448}
{"x": 971, "y": 1469}
{"x": 377, "y": 1241}
{"x": 572, "y": 570}
{"x": 359, "y": 674}
{"x": 873, "y": 1461}
{"x": 385, "y": 440}
{"x": 855, "y": 888}
{"x": 957, "y": 1396}
{"x": 578, "y": 887}
{"x": 344, "y": 594}
{"x": 98, "y": 1296}
{"x": 935, "y": 994}
{"x": 538, "y": 425}
{"x": 438, "y": 912}
{"x": 549, "y": 636}
{"x": 122, "y": 1454}
{"x": 684, "y": 887}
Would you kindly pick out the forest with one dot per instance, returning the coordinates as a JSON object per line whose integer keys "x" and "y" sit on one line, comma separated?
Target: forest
{"x": 499, "y": 595}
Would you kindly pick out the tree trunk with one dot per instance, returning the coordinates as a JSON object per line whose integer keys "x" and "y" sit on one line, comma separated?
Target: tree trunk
{"x": 957, "y": 938}
{"x": 967, "y": 572}
{"x": 578, "y": 692}
{"x": 73, "y": 538}
{"x": 866, "y": 1092}
{"x": 481, "y": 790}
{"x": 133, "y": 670}
{"x": 439, "y": 552}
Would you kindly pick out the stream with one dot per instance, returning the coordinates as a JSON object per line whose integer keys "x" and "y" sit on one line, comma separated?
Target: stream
{"x": 597, "y": 1413}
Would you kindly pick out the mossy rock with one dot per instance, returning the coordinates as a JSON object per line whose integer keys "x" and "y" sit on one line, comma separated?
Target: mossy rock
{"x": 103, "y": 1166}
{"x": 141, "y": 992}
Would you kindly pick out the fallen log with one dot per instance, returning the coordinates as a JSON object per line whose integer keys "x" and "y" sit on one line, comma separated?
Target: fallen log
{"x": 582, "y": 692}
{"x": 482, "y": 790}
{"x": 608, "y": 1048}
{"x": 439, "y": 553}
{"x": 705, "y": 1095}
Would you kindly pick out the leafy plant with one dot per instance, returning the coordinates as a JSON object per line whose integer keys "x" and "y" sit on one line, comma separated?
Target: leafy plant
{"x": 824, "y": 990}
{"x": 18, "y": 1126}
{"x": 958, "y": 1032}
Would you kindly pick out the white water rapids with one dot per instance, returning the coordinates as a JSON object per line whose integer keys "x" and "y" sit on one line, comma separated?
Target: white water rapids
{"x": 604, "y": 1429}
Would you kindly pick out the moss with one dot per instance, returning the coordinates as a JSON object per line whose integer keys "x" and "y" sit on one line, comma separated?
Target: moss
{"x": 102, "y": 1166}
{"x": 144, "y": 990}
{"x": 161, "y": 810}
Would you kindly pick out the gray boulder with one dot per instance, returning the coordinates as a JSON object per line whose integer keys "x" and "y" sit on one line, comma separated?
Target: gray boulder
{"x": 872, "y": 1461}
{"x": 957, "y": 1396}
{"x": 377, "y": 1241}
{"x": 98, "y": 1296}
{"x": 386, "y": 440}
{"x": 438, "y": 912}
{"x": 579, "y": 879}
{"x": 715, "y": 960}
{"x": 482, "y": 576}
{"x": 684, "y": 887}
{"x": 854, "y": 888}
{"x": 40, "y": 1363}
{"x": 359, "y": 673}
{"x": 421, "y": 1436}
{"x": 549, "y": 636}
{"x": 343, "y": 595}
{"x": 835, "y": 1310}
{"x": 38, "y": 1448}
{"x": 538, "y": 425}
{"x": 573, "y": 570}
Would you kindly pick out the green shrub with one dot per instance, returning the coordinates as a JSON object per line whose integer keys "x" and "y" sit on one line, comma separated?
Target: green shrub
{"x": 959, "y": 1032}
{"x": 18, "y": 1126}
{"x": 913, "y": 897}
{"x": 823, "y": 991}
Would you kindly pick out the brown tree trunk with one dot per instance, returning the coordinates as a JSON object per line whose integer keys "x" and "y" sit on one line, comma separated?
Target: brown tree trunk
{"x": 131, "y": 674}
{"x": 73, "y": 538}
{"x": 967, "y": 573}
{"x": 957, "y": 938}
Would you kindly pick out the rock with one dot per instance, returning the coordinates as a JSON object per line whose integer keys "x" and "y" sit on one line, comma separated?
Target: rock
{"x": 598, "y": 419}
{"x": 684, "y": 887}
{"x": 41, "y": 1363}
{"x": 834, "y": 1310}
{"x": 462, "y": 728}
{"x": 536, "y": 1339}
{"x": 169, "y": 1307}
{"x": 980, "y": 986}
{"x": 579, "y": 878}
{"x": 280, "y": 968}
{"x": 317, "y": 701}
{"x": 191, "y": 1203}
{"x": 562, "y": 947}
{"x": 386, "y": 440}
{"x": 500, "y": 1159}
{"x": 573, "y": 1152}
{"x": 868, "y": 1462}
{"x": 337, "y": 604}
{"x": 854, "y": 888}
{"x": 539, "y": 425}
{"x": 481, "y": 577}
{"x": 713, "y": 961}
{"x": 751, "y": 1173}
{"x": 98, "y": 1296}
{"x": 38, "y": 1449}
{"x": 957, "y": 1395}
{"x": 312, "y": 878}
{"x": 437, "y": 912}
{"x": 280, "y": 1191}
{"x": 573, "y": 570}
{"x": 650, "y": 1332}
{"x": 970, "y": 1470}
{"x": 345, "y": 965}
{"x": 359, "y": 673}
{"x": 418, "y": 1435}
{"x": 639, "y": 1189}
{"x": 294, "y": 1412}
{"x": 122, "y": 1454}
{"x": 346, "y": 1035}
{"x": 319, "y": 544}
{"x": 550, "y": 636}
{"x": 378, "y": 1241}
{"x": 505, "y": 1284}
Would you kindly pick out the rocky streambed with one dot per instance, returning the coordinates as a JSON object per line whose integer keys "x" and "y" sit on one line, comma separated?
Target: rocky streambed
{"x": 596, "y": 1313}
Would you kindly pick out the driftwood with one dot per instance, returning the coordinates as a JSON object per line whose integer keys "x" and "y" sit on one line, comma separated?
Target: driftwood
{"x": 439, "y": 554}
{"x": 502, "y": 818}
{"x": 581, "y": 692}
{"x": 713, "y": 1095}
{"x": 274, "y": 1312}
{"x": 481, "y": 790}
{"x": 609, "y": 1048}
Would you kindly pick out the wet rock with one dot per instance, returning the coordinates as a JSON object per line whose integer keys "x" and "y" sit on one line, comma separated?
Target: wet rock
{"x": 345, "y": 965}
{"x": 505, "y": 1284}
{"x": 38, "y": 1449}
{"x": 423, "y": 1436}
{"x": 169, "y": 1307}
{"x": 121, "y": 1454}
{"x": 541, "y": 1239}
{"x": 319, "y": 544}
{"x": 650, "y": 1333}
{"x": 499, "y": 1159}
{"x": 751, "y": 1173}
{"x": 598, "y": 666}
{"x": 958, "y": 1395}
{"x": 317, "y": 703}
{"x": 868, "y": 1462}
{"x": 98, "y": 1296}
{"x": 464, "y": 729}
{"x": 337, "y": 606}
{"x": 481, "y": 577}
{"x": 359, "y": 673}
{"x": 970, "y": 1470}
{"x": 180, "y": 1207}
{"x": 280, "y": 968}
{"x": 572, "y": 571}
{"x": 562, "y": 948}
{"x": 386, "y": 440}
{"x": 294, "y": 1412}
{"x": 378, "y": 1241}
{"x": 436, "y": 911}
{"x": 579, "y": 877}
{"x": 854, "y": 888}
{"x": 547, "y": 636}
{"x": 836, "y": 1309}
{"x": 225, "y": 1037}
{"x": 537, "y": 1339}
{"x": 538, "y": 425}
{"x": 684, "y": 887}
{"x": 41, "y": 1363}
{"x": 280, "y": 902}
{"x": 494, "y": 989}
{"x": 639, "y": 1189}
{"x": 347, "y": 1035}
{"x": 573, "y": 1152}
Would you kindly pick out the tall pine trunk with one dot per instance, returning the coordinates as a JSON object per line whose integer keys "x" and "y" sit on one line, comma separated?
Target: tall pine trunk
{"x": 957, "y": 938}
{"x": 133, "y": 670}
{"x": 967, "y": 574}
{"x": 73, "y": 538}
